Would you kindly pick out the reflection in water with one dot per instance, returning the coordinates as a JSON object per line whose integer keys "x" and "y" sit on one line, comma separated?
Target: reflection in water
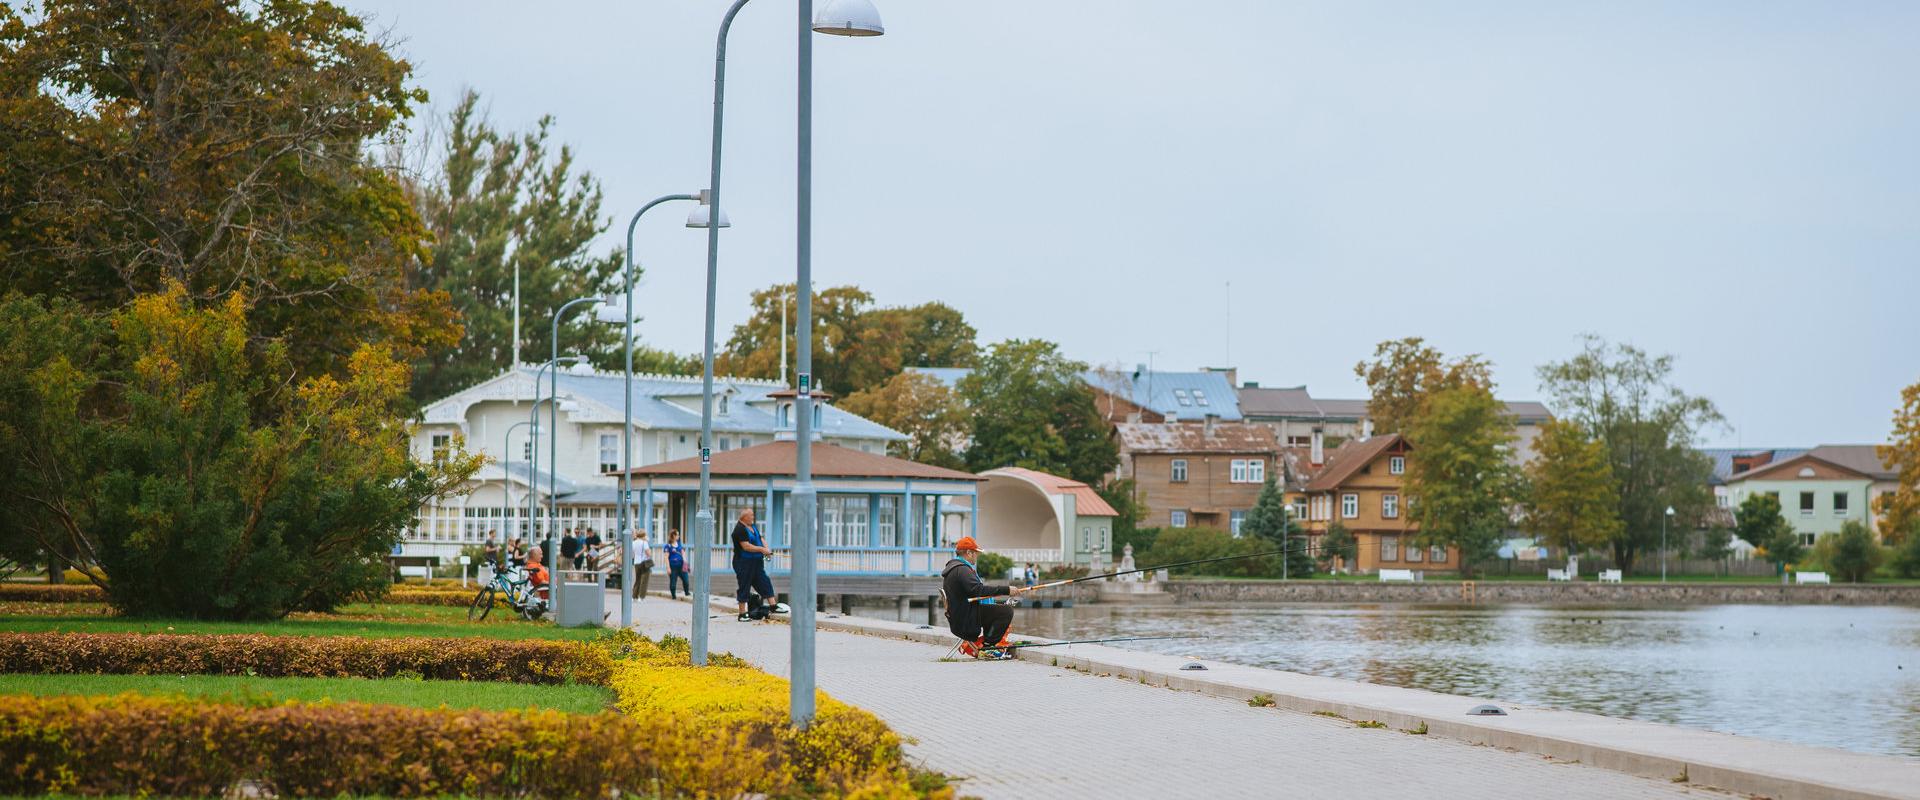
{"x": 1832, "y": 676}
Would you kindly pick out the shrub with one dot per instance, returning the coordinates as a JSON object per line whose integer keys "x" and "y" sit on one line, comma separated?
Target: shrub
{"x": 51, "y": 593}
{"x": 1192, "y": 544}
{"x": 529, "y": 661}
{"x": 1060, "y": 572}
{"x": 1851, "y": 555}
{"x": 994, "y": 566}
{"x": 1906, "y": 556}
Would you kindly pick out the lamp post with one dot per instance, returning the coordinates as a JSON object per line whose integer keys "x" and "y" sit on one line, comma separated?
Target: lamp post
{"x": 1663, "y": 543}
{"x": 533, "y": 416}
{"x": 626, "y": 430}
{"x": 553, "y": 454}
{"x": 506, "y": 462}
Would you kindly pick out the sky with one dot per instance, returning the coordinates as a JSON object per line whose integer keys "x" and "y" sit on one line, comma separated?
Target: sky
{"x": 1278, "y": 186}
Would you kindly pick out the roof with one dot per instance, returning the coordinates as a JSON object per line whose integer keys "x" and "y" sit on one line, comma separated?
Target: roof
{"x": 1861, "y": 459}
{"x": 829, "y": 461}
{"x": 1348, "y": 459}
{"x": 1086, "y": 501}
{"x": 600, "y": 397}
{"x": 1723, "y": 458}
{"x": 1297, "y": 402}
{"x": 1184, "y": 395}
{"x": 1178, "y": 437}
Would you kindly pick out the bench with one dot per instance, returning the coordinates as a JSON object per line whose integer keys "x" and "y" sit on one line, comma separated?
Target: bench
{"x": 1400, "y": 575}
{"x": 1811, "y": 577}
{"x": 399, "y": 566}
{"x": 1609, "y": 576}
{"x": 1559, "y": 575}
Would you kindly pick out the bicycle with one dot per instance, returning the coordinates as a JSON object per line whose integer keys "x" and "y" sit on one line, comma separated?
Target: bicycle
{"x": 520, "y": 594}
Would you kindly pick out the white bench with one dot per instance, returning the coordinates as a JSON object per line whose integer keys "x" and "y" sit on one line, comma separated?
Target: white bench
{"x": 1401, "y": 575}
{"x": 1558, "y": 575}
{"x": 1609, "y": 576}
{"x": 1811, "y": 577}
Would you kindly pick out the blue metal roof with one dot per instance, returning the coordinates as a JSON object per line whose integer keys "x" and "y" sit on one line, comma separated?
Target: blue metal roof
{"x": 1185, "y": 395}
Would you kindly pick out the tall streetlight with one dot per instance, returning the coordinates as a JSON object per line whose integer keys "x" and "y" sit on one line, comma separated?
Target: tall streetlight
{"x": 553, "y": 451}
{"x": 506, "y": 462}
{"x": 1663, "y": 543}
{"x": 533, "y": 416}
{"x": 626, "y": 430}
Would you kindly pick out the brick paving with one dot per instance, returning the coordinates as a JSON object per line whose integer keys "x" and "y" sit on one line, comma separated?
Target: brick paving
{"x": 1012, "y": 729}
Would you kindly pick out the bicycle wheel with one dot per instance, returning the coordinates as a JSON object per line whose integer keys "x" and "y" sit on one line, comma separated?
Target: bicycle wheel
{"x": 482, "y": 603}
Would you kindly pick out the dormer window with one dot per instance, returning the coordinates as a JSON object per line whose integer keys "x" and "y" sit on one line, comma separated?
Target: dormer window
{"x": 783, "y": 415}
{"x": 817, "y": 416}
{"x": 1182, "y": 397}
{"x": 1199, "y": 397}
{"x": 724, "y": 404}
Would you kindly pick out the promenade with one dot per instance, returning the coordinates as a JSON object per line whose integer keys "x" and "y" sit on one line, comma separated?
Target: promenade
{"x": 1026, "y": 728}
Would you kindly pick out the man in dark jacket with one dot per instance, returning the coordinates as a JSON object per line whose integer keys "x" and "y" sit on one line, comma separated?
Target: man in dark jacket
{"x": 981, "y": 626}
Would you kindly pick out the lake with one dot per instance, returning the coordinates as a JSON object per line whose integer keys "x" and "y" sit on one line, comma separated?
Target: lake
{"x": 1833, "y": 676}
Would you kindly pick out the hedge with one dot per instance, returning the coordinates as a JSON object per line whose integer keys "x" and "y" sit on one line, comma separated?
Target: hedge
{"x": 529, "y": 661}
{"x": 135, "y": 745}
{"x": 51, "y": 593}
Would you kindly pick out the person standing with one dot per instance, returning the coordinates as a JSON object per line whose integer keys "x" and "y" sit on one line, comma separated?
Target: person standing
{"x": 677, "y": 565}
{"x": 749, "y": 563}
{"x": 981, "y": 626}
{"x": 570, "y": 549}
{"x": 590, "y": 550}
{"x": 642, "y": 564}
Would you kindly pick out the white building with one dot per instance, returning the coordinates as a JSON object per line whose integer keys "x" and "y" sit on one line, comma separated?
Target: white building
{"x": 666, "y": 426}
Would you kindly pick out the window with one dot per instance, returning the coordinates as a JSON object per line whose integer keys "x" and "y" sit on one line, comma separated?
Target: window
{"x": 843, "y": 520}
{"x": 1415, "y": 553}
{"x": 1179, "y": 470}
{"x": 442, "y": 445}
{"x": 1389, "y": 548}
{"x": 725, "y": 402}
{"x": 1177, "y": 519}
{"x": 609, "y": 452}
{"x": 1086, "y": 538}
{"x": 1438, "y": 554}
{"x": 1397, "y": 465}
{"x": 1349, "y": 506}
{"x": 730, "y": 506}
{"x": 1390, "y": 506}
{"x": 885, "y": 520}
{"x": 1723, "y": 501}
{"x": 1199, "y": 397}
{"x": 1237, "y": 472}
{"x": 1807, "y": 539}
{"x": 1181, "y": 396}
{"x": 1300, "y": 508}
{"x": 1299, "y": 441}
{"x": 1235, "y": 520}
{"x": 1806, "y": 504}
{"x": 1839, "y": 504}
{"x": 746, "y": 442}
{"x": 526, "y": 450}
{"x": 1257, "y": 471}
{"x": 725, "y": 444}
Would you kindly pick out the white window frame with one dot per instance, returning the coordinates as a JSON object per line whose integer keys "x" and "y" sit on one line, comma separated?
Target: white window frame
{"x": 1389, "y": 548}
{"x": 1437, "y": 554}
{"x": 1199, "y": 397}
{"x": 1298, "y": 508}
{"x": 441, "y": 445}
{"x": 1235, "y": 521}
{"x": 1397, "y": 465}
{"x": 1390, "y": 506}
{"x": 1177, "y": 471}
{"x": 725, "y": 404}
{"x": 1180, "y": 396}
{"x": 1349, "y": 506}
{"x": 1237, "y": 471}
{"x": 1413, "y": 554}
{"x": 1256, "y": 470}
{"x": 609, "y": 452}
{"x": 1842, "y": 502}
{"x": 1177, "y": 518}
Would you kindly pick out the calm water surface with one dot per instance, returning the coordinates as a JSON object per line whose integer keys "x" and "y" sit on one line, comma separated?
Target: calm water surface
{"x": 1833, "y": 676}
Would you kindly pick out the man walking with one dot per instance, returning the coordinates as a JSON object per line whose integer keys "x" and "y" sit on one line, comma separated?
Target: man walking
{"x": 982, "y": 626}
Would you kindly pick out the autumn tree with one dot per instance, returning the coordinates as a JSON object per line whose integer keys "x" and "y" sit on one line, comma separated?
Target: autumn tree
{"x": 1624, "y": 398}
{"x": 856, "y": 345}
{"x": 1900, "y": 509}
{"x": 1459, "y": 482}
{"x": 1404, "y": 372}
{"x": 920, "y": 406}
{"x": 1570, "y": 496}
{"x": 1030, "y": 409}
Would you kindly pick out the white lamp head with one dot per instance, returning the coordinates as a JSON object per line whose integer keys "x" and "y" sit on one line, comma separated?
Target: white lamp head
{"x": 611, "y": 310}
{"x": 700, "y": 215}
{"x": 848, "y": 18}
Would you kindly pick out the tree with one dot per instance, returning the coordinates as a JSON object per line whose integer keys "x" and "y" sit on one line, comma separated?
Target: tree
{"x": 1851, "y": 554}
{"x": 1271, "y": 521}
{"x": 924, "y": 409}
{"x": 217, "y": 146}
{"x": 1123, "y": 495}
{"x": 1175, "y": 545}
{"x": 1570, "y": 495}
{"x": 499, "y": 205}
{"x": 856, "y": 346}
{"x": 1459, "y": 481}
{"x": 1758, "y": 520}
{"x": 1338, "y": 542}
{"x": 1030, "y": 409}
{"x": 1785, "y": 549}
{"x": 1906, "y": 555}
{"x": 1900, "y": 508}
{"x": 1623, "y": 398}
{"x": 1716, "y": 545}
{"x": 1404, "y": 372}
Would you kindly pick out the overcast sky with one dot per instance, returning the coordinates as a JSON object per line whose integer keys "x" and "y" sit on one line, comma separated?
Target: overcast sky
{"x": 1736, "y": 183}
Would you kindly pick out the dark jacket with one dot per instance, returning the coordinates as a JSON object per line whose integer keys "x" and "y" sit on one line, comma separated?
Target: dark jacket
{"x": 959, "y": 581}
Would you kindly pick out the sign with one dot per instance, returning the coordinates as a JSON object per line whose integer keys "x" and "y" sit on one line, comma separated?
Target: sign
{"x": 806, "y": 384}
{"x": 706, "y": 455}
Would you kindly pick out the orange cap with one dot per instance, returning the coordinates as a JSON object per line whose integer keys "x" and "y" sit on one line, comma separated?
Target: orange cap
{"x": 966, "y": 543}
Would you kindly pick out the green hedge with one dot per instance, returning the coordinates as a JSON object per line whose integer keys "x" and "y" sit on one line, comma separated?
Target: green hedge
{"x": 525, "y": 661}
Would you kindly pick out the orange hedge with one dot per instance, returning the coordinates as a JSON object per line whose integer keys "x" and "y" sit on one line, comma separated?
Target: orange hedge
{"x": 136, "y": 745}
{"x": 304, "y": 656}
{"x": 51, "y": 593}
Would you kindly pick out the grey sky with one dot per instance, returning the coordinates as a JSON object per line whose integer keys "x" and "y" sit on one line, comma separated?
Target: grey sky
{"x": 1736, "y": 183}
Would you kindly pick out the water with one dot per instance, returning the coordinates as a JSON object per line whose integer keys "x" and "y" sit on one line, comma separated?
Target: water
{"x": 1832, "y": 676}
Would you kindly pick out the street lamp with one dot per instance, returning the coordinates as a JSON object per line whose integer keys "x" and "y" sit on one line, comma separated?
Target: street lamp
{"x": 553, "y": 452}
{"x": 506, "y": 463}
{"x": 533, "y": 416}
{"x": 1663, "y": 543}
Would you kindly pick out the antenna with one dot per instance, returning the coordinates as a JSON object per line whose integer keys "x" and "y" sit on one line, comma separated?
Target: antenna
{"x": 1229, "y": 323}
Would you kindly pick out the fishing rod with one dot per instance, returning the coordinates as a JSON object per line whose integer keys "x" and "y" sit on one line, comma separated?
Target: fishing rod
{"x": 1094, "y": 641}
{"x": 1283, "y": 551}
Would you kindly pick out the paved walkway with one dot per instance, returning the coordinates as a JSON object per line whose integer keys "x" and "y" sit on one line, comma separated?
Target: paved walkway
{"x": 1021, "y": 729}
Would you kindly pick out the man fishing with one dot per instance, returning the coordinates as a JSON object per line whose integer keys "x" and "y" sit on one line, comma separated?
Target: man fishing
{"x": 976, "y": 623}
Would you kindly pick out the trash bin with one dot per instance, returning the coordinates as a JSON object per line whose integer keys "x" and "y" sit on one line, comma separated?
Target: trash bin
{"x": 583, "y": 598}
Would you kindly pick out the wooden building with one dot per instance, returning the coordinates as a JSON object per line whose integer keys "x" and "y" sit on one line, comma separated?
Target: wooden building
{"x": 1362, "y": 486}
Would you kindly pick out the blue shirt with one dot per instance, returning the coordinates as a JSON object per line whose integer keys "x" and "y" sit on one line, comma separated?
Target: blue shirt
{"x": 675, "y": 554}
{"x": 743, "y": 532}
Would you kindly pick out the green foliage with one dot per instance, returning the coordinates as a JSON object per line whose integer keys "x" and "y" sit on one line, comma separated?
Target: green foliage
{"x": 1404, "y": 372}
{"x": 1850, "y": 555}
{"x": 1906, "y": 555}
{"x": 1271, "y": 522}
{"x": 1623, "y": 398}
{"x": 1758, "y": 520}
{"x": 1031, "y": 409}
{"x": 1191, "y": 544}
{"x": 1123, "y": 495}
{"x": 993, "y": 566}
{"x": 923, "y": 408}
{"x": 1784, "y": 548}
{"x": 1716, "y": 544}
{"x": 856, "y": 346}
{"x": 1338, "y": 542}
{"x": 1459, "y": 472}
{"x": 1571, "y": 500}
{"x": 1142, "y": 540}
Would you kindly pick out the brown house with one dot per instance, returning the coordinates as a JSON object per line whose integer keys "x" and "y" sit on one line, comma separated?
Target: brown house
{"x": 1187, "y": 474}
{"x": 1362, "y": 488}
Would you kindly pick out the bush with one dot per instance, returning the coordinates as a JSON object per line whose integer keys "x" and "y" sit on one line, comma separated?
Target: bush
{"x": 1142, "y": 540}
{"x": 529, "y": 661}
{"x": 1851, "y": 555}
{"x": 1061, "y": 572}
{"x": 51, "y": 593}
{"x": 1192, "y": 544}
{"x": 1906, "y": 556}
{"x": 994, "y": 566}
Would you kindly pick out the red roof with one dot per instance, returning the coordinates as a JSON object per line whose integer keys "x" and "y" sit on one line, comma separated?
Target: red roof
{"x": 1086, "y": 501}
{"x": 829, "y": 461}
{"x": 1348, "y": 459}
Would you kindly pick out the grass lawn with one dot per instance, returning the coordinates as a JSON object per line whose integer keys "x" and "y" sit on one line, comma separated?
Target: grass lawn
{"x": 1586, "y": 578}
{"x": 372, "y": 620}
{"x": 575, "y": 699}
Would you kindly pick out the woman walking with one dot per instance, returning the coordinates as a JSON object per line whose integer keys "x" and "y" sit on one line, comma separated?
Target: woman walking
{"x": 642, "y": 564}
{"x": 677, "y": 566}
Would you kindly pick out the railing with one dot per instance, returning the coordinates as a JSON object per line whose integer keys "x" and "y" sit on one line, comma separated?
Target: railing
{"x": 1030, "y": 555}
{"x": 847, "y": 560}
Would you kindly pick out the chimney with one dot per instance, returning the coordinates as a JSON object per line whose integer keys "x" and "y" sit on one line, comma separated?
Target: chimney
{"x": 1210, "y": 419}
{"x": 1319, "y": 455}
{"x": 1250, "y": 385}
{"x": 1366, "y": 429}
